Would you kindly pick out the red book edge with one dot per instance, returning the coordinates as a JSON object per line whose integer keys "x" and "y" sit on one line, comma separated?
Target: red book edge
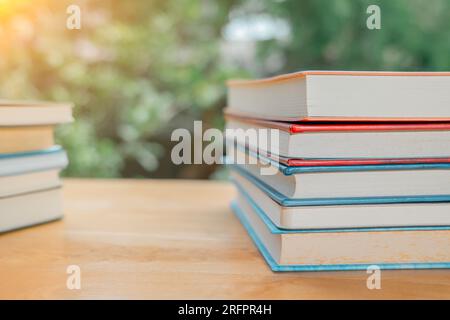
{"x": 299, "y": 162}
{"x": 358, "y": 162}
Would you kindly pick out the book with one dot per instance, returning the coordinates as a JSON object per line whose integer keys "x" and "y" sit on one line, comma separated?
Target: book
{"x": 343, "y": 96}
{"x": 298, "y": 162}
{"x": 344, "y": 249}
{"x": 29, "y": 182}
{"x": 349, "y": 142}
{"x": 33, "y": 113}
{"x": 23, "y": 139}
{"x": 27, "y": 162}
{"x": 30, "y": 209}
{"x": 343, "y": 216}
{"x": 316, "y": 182}
{"x": 336, "y": 200}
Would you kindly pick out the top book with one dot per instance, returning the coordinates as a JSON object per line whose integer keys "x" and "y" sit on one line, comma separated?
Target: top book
{"x": 33, "y": 113}
{"x": 343, "y": 96}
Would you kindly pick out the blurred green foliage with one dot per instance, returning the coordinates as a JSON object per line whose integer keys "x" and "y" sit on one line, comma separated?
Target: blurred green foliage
{"x": 139, "y": 69}
{"x": 414, "y": 35}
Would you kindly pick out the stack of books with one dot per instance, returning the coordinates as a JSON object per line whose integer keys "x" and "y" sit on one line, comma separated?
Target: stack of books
{"x": 30, "y": 162}
{"x": 346, "y": 170}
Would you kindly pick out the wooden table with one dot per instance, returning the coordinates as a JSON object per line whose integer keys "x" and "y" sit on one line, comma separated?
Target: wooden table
{"x": 170, "y": 240}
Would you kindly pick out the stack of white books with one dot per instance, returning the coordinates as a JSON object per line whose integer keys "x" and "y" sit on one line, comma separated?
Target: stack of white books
{"x": 30, "y": 163}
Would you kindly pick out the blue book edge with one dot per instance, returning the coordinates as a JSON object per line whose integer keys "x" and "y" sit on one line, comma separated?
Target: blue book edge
{"x": 326, "y": 267}
{"x": 52, "y": 150}
{"x": 55, "y": 150}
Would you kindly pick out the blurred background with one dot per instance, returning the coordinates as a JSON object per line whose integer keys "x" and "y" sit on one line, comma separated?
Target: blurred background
{"x": 139, "y": 69}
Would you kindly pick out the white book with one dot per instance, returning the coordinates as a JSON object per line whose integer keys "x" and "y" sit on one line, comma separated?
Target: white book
{"x": 30, "y": 209}
{"x": 343, "y": 95}
{"x": 371, "y": 144}
{"x": 33, "y": 113}
{"x": 313, "y": 182}
{"x": 345, "y": 216}
{"x": 29, "y": 182}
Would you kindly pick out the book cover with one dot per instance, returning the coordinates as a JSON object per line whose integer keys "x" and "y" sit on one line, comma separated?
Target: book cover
{"x": 27, "y": 162}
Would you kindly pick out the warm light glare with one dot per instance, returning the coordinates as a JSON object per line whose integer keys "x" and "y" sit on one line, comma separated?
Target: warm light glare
{"x": 10, "y": 7}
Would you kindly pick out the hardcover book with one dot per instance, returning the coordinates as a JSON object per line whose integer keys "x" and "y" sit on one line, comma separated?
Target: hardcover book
{"x": 25, "y": 139}
{"x": 344, "y": 249}
{"x": 30, "y": 209}
{"x": 362, "y": 215}
{"x": 29, "y": 182}
{"x": 350, "y": 143}
{"x": 316, "y": 182}
{"x": 34, "y": 113}
{"x": 27, "y": 162}
{"x": 343, "y": 96}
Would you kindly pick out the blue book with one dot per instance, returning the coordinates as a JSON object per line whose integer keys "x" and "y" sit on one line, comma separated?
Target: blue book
{"x": 24, "y": 173}
{"x": 344, "y": 216}
{"x": 35, "y": 161}
{"x": 344, "y": 249}
{"x": 415, "y": 188}
{"x": 30, "y": 188}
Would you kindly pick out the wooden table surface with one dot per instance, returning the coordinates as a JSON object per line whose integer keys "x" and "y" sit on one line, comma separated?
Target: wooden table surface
{"x": 163, "y": 239}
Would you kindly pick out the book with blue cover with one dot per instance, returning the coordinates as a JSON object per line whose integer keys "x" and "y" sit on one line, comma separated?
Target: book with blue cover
{"x": 344, "y": 249}
{"x": 33, "y": 161}
{"x": 25, "y": 172}
{"x": 316, "y": 215}
{"x": 30, "y": 187}
{"x": 294, "y": 185}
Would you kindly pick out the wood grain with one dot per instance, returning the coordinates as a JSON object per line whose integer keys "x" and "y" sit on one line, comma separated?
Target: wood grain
{"x": 163, "y": 239}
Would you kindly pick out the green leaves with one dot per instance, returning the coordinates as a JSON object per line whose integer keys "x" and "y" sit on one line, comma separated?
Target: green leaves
{"x": 134, "y": 71}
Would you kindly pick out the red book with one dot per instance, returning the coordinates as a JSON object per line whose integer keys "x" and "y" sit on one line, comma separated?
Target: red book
{"x": 373, "y": 137}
